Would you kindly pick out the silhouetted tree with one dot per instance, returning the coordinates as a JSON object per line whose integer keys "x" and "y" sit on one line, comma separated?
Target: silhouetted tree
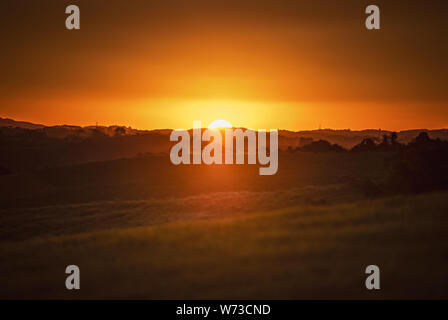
{"x": 393, "y": 138}
{"x": 366, "y": 145}
{"x": 422, "y": 166}
{"x": 322, "y": 146}
{"x": 384, "y": 145}
{"x": 119, "y": 131}
{"x": 422, "y": 139}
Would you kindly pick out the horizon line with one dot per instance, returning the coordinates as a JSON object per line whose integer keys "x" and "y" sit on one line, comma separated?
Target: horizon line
{"x": 30, "y": 122}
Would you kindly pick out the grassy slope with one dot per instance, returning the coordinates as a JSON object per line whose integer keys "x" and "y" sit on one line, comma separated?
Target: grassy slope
{"x": 296, "y": 252}
{"x": 158, "y": 178}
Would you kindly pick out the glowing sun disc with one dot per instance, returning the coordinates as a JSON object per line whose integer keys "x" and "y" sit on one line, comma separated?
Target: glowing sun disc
{"x": 220, "y": 124}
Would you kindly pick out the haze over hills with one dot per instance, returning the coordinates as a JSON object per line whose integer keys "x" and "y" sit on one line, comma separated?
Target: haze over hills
{"x": 346, "y": 138}
{"x": 5, "y": 122}
{"x": 26, "y": 146}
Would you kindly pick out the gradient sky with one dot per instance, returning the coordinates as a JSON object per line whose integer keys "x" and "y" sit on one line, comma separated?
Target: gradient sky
{"x": 256, "y": 63}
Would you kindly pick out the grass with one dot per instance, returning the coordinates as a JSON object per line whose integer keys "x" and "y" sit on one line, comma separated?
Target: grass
{"x": 303, "y": 251}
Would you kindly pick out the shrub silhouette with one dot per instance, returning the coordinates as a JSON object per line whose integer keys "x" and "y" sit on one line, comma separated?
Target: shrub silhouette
{"x": 321, "y": 146}
{"x": 366, "y": 145}
{"x": 389, "y": 143}
{"x": 385, "y": 145}
{"x": 119, "y": 131}
{"x": 421, "y": 167}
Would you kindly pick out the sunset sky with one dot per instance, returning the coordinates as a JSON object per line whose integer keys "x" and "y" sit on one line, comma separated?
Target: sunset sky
{"x": 256, "y": 63}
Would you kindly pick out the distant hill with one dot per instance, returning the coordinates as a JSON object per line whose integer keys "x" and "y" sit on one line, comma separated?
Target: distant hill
{"x": 346, "y": 138}
{"x": 5, "y": 122}
{"x": 63, "y": 131}
{"x": 25, "y": 145}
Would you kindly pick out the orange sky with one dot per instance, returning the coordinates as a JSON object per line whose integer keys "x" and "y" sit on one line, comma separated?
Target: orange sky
{"x": 260, "y": 64}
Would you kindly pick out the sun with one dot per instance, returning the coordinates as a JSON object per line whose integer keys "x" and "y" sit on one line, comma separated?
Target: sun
{"x": 220, "y": 124}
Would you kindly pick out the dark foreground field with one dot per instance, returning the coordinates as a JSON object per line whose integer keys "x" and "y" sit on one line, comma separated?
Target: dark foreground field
{"x": 142, "y": 228}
